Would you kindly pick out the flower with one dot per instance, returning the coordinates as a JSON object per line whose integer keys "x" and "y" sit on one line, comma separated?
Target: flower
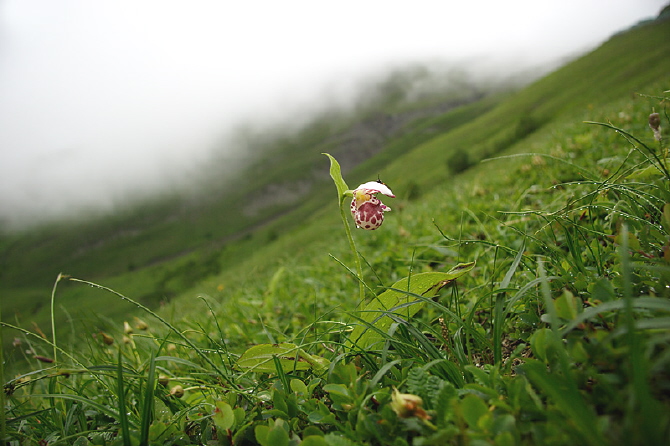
{"x": 407, "y": 405}
{"x": 367, "y": 209}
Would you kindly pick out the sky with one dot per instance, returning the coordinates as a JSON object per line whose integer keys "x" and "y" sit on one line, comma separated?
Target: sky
{"x": 104, "y": 101}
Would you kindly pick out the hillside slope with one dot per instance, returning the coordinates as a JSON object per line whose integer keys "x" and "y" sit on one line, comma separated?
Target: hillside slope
{"x": 162, "y": 252}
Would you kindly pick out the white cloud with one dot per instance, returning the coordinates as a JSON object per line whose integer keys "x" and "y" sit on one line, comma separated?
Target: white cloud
{"x": 99, "y": 99}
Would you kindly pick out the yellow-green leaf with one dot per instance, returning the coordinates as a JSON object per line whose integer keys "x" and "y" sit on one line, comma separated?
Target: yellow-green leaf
{"x": 336, "y": 175}
{"x": 260, "y": 358}
{"x": 374, "y": 317}
{"x": 567, "y": 305}
{"x": 648, "y": 173}
{"x": 223, "y": 417}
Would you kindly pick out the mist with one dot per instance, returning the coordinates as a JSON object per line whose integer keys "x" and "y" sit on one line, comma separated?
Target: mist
{"x": 105, "y": 103}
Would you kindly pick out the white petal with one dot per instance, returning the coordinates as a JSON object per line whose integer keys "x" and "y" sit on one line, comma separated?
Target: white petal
{"x": 377, "y": 187}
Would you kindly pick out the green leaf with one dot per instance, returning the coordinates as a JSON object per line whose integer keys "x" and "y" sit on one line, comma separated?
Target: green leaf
{"x": 273, "y": 435}
{"x": 314, "y": 440}
{"x": 261, "y": 358}
{"x": 602, "y": 290}
{"x": 279, "y": 401}
{"x": 261, "y": 432}
{"x": 337, "y": 439}
{"x": 473, "y": 408}
{"x": 648, "y": 173}
{"x": 567, "y": 305}
{"x": 336, "y": 175}
{"x": 564, "y": 394}
{"x": 338, "y": 393}
{"x": 224, "y": 416}
{"x": 401, "y": 300}
{"x": 665, "y": 219}
{"x": 632, "y": 241}
{"x": 539, "y": 343}
{"x": 278, "y": 436}
{"x": 299, "y": 387}
{"x": 443, "y": 400}
{"x": 322, "y": 414}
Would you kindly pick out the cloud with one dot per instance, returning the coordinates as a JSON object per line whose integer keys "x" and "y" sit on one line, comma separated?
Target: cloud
{"x": 100, "y": 101}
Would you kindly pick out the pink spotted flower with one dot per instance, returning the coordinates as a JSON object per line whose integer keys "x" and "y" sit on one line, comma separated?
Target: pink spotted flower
{"x": 367, "y": 209}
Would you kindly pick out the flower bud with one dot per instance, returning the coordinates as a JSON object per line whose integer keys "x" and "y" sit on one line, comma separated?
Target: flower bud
{"x": 177, "y": 391}
{"x": 407, "y": 405}
{"x": 655, "y": 125}
{"x": 106, "y": 339}
{"x": 140, "y": 324}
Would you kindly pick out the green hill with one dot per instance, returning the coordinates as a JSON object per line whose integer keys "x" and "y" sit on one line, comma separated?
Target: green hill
{"x": 161, "y": 249}
{"x": 170, "y": 245}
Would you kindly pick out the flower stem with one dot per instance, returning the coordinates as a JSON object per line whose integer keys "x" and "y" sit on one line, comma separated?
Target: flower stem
{"x": 352, "y": 245}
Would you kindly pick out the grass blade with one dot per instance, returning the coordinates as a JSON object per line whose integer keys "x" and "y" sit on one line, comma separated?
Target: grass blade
{"x": 398, "y": 296}
{"x": 499, "y": 315}
{"x": 202, "y": 354}
{"x": 642, "y": 406}
{"x": 148, "y": 403}
{"x": 123, "y": 416}
{"x": 565, "y": 395}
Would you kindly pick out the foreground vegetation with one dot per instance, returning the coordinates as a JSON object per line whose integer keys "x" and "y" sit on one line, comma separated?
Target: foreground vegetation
{"x": 525, "y": 302}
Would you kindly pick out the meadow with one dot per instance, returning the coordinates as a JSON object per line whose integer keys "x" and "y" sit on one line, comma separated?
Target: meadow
{"x": 516, "y": 293}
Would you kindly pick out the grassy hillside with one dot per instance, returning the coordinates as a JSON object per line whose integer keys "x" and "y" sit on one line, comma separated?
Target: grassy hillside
{"x": 160, "y": 250}
{"x": 554, "y": 329}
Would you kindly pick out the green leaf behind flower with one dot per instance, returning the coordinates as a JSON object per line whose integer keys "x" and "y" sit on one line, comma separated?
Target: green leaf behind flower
{"x": 336, "y": 175}
{"x": 400, "y": 300}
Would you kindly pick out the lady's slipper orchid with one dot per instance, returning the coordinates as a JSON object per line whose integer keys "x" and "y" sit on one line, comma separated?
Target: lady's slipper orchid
{"x": 367, "y": 209}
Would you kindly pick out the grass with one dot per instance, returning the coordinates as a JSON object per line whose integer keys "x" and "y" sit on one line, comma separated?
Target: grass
{"x": 555, "y": 333}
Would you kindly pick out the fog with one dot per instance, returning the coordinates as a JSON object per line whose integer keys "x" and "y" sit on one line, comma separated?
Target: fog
{"x": 102, "y": 102}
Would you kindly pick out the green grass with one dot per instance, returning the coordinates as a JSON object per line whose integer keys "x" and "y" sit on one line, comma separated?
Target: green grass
{"x": 559, "y": 333}
{"x": 171, "y": 242}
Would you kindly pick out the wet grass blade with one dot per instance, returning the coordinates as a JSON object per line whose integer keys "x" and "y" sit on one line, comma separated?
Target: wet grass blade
{"x": 565, "y": 395}
{"x": 643, "y": 408}
{"x": 123, "y": 415}
{"x": 148, "y": 403}
{"x": 202, "y": 354}
{"x": 498, "y": 312}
